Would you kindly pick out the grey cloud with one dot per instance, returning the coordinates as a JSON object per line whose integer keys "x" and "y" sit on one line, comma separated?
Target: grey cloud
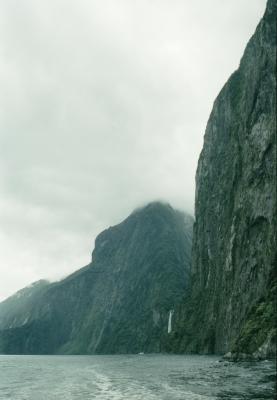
{"x": 103, "y": 107}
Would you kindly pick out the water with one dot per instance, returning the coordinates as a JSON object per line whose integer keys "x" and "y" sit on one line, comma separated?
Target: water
{"x": 137, "y": 377}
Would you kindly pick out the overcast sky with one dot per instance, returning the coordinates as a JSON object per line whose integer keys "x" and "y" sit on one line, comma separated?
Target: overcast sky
{"x": 103, "y": 107}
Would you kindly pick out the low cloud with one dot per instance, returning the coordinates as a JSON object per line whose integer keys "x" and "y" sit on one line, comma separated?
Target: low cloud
{"x": 103, "y": 108}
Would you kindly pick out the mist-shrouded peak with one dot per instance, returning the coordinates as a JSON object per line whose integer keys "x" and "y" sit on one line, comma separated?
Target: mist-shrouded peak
{"x": 155, "y": 218}
{"x": 121, "y": 301}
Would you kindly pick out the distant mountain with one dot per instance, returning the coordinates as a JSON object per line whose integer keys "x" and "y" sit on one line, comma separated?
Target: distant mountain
{"x": 15, "y": 311}
{"x": 119, "y": 303}
{"x": 231, "y": 306}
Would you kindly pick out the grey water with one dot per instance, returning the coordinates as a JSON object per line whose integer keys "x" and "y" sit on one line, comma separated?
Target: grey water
{"x": 134, "y": 377}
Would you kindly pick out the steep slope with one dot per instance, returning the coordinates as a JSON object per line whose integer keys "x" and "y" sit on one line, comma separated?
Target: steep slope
{"x": 15, "y": 310}
{"x": 119, "y": 303}
{"x": 231, "y": 304}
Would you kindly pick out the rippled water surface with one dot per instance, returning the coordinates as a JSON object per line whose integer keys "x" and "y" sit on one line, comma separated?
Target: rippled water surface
{"x": 143, "y": 377}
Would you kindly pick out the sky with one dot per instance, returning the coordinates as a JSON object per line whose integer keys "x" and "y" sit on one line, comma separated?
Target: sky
{"x": 103, "y": 108}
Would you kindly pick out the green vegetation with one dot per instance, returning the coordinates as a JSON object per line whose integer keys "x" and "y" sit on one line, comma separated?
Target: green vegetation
{"x": 260, "y": 325}
{"x": 120, "y": 302}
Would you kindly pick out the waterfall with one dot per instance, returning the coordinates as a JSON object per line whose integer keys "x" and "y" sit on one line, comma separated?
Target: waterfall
{"x": 169, "y": 326}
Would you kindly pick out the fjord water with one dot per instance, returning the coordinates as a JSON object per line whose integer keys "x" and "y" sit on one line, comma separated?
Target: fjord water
{"x": 133, "y": 377}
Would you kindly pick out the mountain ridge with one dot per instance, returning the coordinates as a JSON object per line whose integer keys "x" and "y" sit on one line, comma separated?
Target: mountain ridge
{"x": 120, "y": 302}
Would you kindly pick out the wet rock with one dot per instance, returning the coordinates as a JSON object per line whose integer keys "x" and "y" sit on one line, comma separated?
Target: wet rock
{"x": 230, "y": 306}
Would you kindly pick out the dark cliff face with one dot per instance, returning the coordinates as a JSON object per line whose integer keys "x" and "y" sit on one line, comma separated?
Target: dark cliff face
{"x": 119, "y": 303}
{"x": 234, "y": 245}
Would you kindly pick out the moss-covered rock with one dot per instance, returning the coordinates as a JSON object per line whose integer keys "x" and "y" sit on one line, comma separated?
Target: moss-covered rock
{"x": 257, "y": 338}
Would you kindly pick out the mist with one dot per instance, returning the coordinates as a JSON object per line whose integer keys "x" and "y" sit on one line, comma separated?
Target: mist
{"x": 103, "y": 109}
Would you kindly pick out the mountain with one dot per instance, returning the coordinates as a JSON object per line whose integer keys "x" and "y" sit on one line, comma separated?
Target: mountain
{"x": 15, "y": 311}
{"x": 231, "y": 305}
{"x": 119, "y": 303}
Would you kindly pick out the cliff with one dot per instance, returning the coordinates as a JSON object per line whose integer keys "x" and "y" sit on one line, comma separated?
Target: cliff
{"x": 231, "y": 304}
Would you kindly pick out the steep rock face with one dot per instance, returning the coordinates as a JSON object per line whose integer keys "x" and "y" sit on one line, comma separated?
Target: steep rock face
{"x": 119, "y": 303}
{"x": 231, "y": 305}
